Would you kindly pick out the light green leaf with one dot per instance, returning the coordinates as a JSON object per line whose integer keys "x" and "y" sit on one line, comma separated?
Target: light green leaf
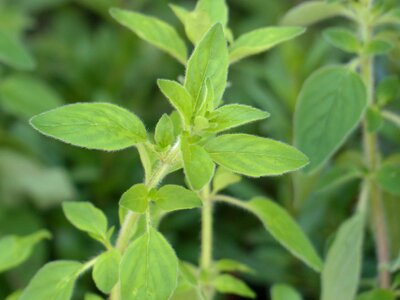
{"x": 153, "y": 31}
{"x": 391, "y": 117}
{"x": 284, "y": 292}
{"x": 106, "y": 270}
{"x": 228, "y": 284}
{"x": 100, "y": 126}
{"x": 378, "y": 294}
{"x": 230, "y": 265}
{"x": 388, "y": 89}
{"x": 136, "y": 198}
{"x": 378, "y": 47}
{"x": 90, "y": 296}
{"x": 55, "y": 280}
{"x": 216, "y": 9}
{"x": 254, "y": 156}
{"x": 14, "y": 250}
{"x": 149, "y": 269}
{"x": 164, "y": 133}
{"x": 341, "y": 272}
{"x": 374, "y": 119}
{"x": 224, "y": 178}
{"x": 208, "y": 60}
{"x": 260, "y": 40}
{"x": 179, "y": 98}
{"x": 388, "y": 177}
{"x": 310, "y": 12}
{"x": 14, "y": 54}
{"x": 188, "y": 283}
{"x": 15, "y": 295}
{"x": 325, "y": 117}
{"x": 234, "y": 115}
{"x": 343, "y": 39}
{"x": 391, "y": 17}
{"x": 285, "y": 230}
{"x": 174, "y": 197}
{"x": 86, "y": 217}
{"x": 24, "y": 96}
{"x": 197, "y": 164}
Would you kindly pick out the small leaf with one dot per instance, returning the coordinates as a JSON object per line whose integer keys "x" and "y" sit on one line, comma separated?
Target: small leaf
{"x": 106, "y": 270}
{"x": 174, "y": 197}
{"x": 91, "y": 296}
{"x": 374, "y": 119}
{"x": 325, "y": 117}
{"x": 378, "y": 294}
{"x": 388, "y": 177}
{"x": 197, "y": 165}
{"x": 208, "y": 60}
{"x": 234, "y": 115}
{"x": 260, "y": 40}
{"x": 341, "y": 272}
{"x": 343, "y": 39}
{"x": 224, "y": 178}
{"x": 179, "y": 98}
{"x": 230, "y": 265}
{"x": 254, "y": 156}
{"x": 14, "y": 54}
{"x": 378, "y": 47}
{"x": 100, "y": 126}
{"x": 336, "y": 177}
{"x": 284, "y": 292}
{"x": 388, "y": 90}
{"x": 153, "y": 31}
{"x": 149, "y": 269}
{"x": 164, "y": 133}
{"x": 86, "y": 217}
{"x": 136, "y": 198}
{"x": 14, "y": 250}
{"x": 55, "y": 280}
{"x": 228, "y": 284}
{"x": 285, "y": 230}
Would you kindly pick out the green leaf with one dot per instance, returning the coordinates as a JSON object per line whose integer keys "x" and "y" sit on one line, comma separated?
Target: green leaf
{"x": 230, "y": 265}
{"x": 254, "y": 156}
{"x": 14, "y": 54}
{"x": 188, "y": 283}
{"x": 374, "y": 119}
{"x": 91, "y": 296}
{"x": 378, "y": 47}
{"x": 284, "y": 292}
{"x": 260, "y": 40}
{"x": 149, "y": 269}
{"x": 86, "y": 217}
{"x": 136, "y": 198}
{"x": 336, "y": 177}
{"x": 388, "y": 177}
{"x": 311, "y": 12}
{"x": 197, "y": 164}
{"x": 208, "y": 60}
{"x": 324, "y": 117}
{"x": 100, "y": 126}
{"x": 14, "y": 250}
{"x": 285, "y": 230}
{"x": 179, "y": 98}
{"x": 106, "y": 270}
{"x": 343, "y": 39}
{"x": 153, "y": 31}
{"x": 24, "y": 96}
{"x": 391, "y": 17}
{"x": 234, "y": 115}
{"x": 55, "y": 280}
{"x": 224, "y": 178}
{"x": 391, "y": 117}
{"x": 228, "y": 284}
{"x": 164, "y": 133}
{"x": 15, "y": 295}
{"x": 378, "y": 294}
{"x": 388, "y": 90}
{"x": 341, "y": 272}
{"x": 174, "y": 197}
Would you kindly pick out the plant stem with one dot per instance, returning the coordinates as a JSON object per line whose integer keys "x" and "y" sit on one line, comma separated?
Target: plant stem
{"x": 372, "y": 158}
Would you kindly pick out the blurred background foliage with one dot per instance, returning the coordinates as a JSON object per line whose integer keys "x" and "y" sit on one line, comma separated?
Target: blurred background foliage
{"x": 78, "y": 54}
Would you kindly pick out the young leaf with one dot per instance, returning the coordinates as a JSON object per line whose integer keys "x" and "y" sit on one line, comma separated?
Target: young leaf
{"x": 324, "y": 117}
{"x": 14, "y": 250}
{"x": 230, "y": 265}
{"x": 254, "y": 156}
{"x": 224, "y": 178}
{"x": 106, "y": 270}
{"x": 311, "y": 12}
{"x": 285, "y": 230}
{"x": 374, "y": 119}
{"x": 197, "y": 164}
{"x": 284, "y": 292}
{"x": 164, "y": 133}
{"x": 153, "y": 31}
{"x": 24, "y": 96}
{"x": 14, "y": 54}
{"x": 378, "y": 47}
{"x": 86, "y": 217}
{"x": 136, "y": 198}
{"x": 228, "y": 284}
{"x": 174, "y": 197}
{"x": 55, "y": 280}
{"x": 341, "y": 272}
{"x": 343, "y": 39}
{"x": 208, "y": 60}
{"x": 388, "y": 90}
{"x": 260, "y": 40}
{"x": 99, "y": 126}
{"x": 388, "y": 177}
{"x": 149, "y": 269}
{"x": 217, "y": 10}
{"x": 179, "y": 98}
{"x": 234, "y": 115}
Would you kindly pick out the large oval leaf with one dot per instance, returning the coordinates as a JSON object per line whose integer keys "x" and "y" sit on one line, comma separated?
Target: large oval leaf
{"x": 330, "y": 106}
{"x": 100, "y": 126}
